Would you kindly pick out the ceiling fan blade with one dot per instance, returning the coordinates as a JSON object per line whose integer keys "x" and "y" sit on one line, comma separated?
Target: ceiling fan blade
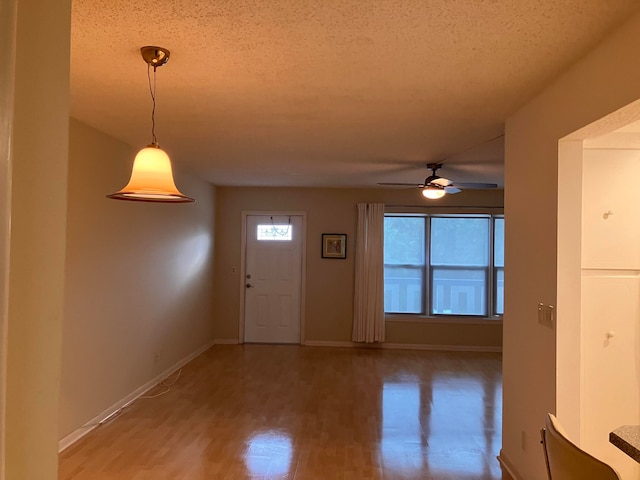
{"x": 451, "y": 190}
{"x": 391, "y": 184}
{"x": 474, "y": 185}
{"x": 443, "y": 182}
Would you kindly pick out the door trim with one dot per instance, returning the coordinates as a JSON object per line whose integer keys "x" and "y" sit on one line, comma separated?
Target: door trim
{"x": 303, "y": 270}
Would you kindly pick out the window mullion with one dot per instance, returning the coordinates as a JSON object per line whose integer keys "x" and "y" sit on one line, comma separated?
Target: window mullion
{"x": 427, "y": 267}
{"x": 491, "y": 288}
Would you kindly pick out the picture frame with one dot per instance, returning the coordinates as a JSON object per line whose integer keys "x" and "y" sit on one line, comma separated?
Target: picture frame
{"x": 334, "y": 245}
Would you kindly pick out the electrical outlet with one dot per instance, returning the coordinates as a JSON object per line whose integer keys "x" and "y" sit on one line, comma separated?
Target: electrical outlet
{"x": 156, "y": 357}
{"x": 233, "y": 269}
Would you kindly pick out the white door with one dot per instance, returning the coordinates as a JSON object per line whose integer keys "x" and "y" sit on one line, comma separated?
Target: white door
{"x": 273, "y": 266}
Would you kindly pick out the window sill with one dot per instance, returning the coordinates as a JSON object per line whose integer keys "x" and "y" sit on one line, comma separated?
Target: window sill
{"x": 441, "y": 319}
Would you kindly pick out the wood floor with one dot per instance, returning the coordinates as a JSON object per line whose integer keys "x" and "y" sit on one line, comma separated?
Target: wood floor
{"x": 306, "y": 413}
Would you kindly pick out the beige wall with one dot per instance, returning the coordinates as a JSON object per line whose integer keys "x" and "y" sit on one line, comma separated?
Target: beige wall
{"x": 138, "y": 279}
{"x": 607, "y": 79}
{"x": 329, "y": 283}
{"x": 38, "y": 210}
{"x": 7, "y": 76}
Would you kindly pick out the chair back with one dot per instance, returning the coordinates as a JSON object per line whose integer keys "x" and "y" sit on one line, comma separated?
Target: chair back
{"x": 566, "y": 461}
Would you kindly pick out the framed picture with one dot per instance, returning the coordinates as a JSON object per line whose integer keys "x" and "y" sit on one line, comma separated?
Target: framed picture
{"x": 334, "y": 245}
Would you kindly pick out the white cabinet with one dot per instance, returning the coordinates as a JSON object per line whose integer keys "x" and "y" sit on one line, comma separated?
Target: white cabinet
{"x": 610, "y": 306}
{"x": 611, "y": 209}
{"x": 610, "y": 364}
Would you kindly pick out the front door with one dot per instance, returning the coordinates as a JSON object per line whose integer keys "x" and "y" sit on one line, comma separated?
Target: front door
{"x": 273, "y": 271}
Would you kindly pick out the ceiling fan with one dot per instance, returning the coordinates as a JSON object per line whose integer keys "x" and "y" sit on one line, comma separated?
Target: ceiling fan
{"x": 435, "y": 186}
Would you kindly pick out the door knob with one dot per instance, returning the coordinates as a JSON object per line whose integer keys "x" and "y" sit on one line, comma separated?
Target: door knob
{"x": 249, "y": 285}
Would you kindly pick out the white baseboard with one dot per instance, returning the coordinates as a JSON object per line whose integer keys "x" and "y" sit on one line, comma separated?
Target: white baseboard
{"x": 446, "y": 348}
{"x": 80, "y": 432}
{"x": 403, "y": 346}
{"x": 508, "y": 467}
{"x": 226, "y": 341}
{"x": 326, "y": 343}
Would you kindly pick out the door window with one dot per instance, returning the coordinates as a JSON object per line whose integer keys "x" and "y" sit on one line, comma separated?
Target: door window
{"x": 271, "y": 232}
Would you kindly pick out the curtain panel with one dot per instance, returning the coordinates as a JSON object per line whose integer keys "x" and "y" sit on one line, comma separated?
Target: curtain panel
{"x": 368, "y": 315}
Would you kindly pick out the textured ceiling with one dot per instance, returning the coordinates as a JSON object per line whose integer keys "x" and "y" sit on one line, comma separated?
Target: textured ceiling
{"x": 326, "y": 93}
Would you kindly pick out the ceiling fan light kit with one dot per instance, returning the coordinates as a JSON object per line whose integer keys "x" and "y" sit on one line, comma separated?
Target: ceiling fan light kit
{"x": 432, "y": 192}
{"x": 152, "y": 176}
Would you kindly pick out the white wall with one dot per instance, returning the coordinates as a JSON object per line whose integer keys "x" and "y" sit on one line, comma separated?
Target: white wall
{"x": 38, "y": 213}
{"x": 569, "y": 295}
{"x": 138, "y": 279}
{"x": 606, "y": 79}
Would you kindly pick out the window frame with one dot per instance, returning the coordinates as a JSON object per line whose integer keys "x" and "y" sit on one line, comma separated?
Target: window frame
{"x": 427, "y": 269}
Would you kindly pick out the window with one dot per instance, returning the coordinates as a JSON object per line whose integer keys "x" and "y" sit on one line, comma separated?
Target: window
{"x": 404, "y": 260}
{"x": 274, "y": 232}
{"x": 444, "y": 264}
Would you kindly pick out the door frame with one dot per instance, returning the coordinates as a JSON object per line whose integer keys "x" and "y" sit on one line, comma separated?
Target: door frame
{"x": 303, "y": 267}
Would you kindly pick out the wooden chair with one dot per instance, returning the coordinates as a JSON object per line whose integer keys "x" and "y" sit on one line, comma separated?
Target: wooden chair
{"x": 566, "y": 461}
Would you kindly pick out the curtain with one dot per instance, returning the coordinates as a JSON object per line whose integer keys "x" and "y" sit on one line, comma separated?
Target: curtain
{"x": 368, "y": 314}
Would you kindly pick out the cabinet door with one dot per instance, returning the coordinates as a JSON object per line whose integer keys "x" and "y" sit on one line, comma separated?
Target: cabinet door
{"x": 611, "y": 209}
{"x": 610, "y": 342}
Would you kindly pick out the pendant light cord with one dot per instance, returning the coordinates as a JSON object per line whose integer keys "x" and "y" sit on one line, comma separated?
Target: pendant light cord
{"x": 152, "y": 91}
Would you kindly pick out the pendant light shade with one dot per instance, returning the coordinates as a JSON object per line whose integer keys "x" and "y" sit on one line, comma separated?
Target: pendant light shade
{"x": 433, "y": 193}
{"x": 152, "y": 176}
{"x": 151, "y": 179}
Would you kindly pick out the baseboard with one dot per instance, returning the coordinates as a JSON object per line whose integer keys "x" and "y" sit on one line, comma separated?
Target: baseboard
{"x": 445, "y": 348}
{"x": 226, "y": 341}
{"x": 508, "y": 467}
{"x": 404, "y": 346}
{"x": 95, "y": 422}
{"x": 324, "y": 343}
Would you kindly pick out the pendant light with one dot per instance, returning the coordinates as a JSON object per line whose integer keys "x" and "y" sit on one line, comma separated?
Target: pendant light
{"x": 152, "y": 177}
